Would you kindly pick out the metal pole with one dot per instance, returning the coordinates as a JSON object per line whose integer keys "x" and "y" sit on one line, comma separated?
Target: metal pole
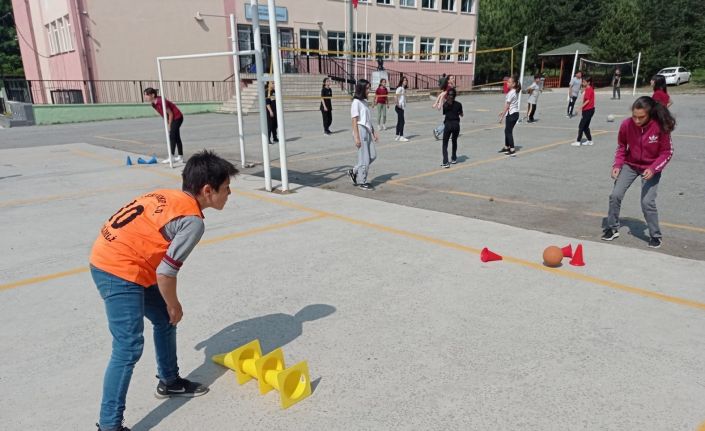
{"x": 166, "y": 125}
{"x": 349, "y": 44}
{"x": 274, "y": 35}
{"x": 259, "y": 65}
{"x": 636, "y": 76}
{"x": 521, "y": 72}
{"x": 238, "y": 96}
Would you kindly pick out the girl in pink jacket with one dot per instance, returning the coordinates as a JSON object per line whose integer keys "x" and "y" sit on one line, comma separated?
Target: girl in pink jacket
{"x": 644, "y": 148}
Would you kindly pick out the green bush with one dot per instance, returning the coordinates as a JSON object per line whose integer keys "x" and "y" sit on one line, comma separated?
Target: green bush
{"x": 698, "y": 77}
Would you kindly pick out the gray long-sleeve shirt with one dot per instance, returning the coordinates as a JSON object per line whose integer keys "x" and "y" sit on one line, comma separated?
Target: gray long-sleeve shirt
{"x": 183, "y": 233}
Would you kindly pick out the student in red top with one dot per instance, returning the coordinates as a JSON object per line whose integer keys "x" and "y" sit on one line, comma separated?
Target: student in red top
{"x": 174, "y": 119}
{"x": 134, "y": 263}
{"x": 644, "y": 148}
{"x": 588, "y": 110}
{"x": 382, "y": 102}
{"x": 658, "y": 82}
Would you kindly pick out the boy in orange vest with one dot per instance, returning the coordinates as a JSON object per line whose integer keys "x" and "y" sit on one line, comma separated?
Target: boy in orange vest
{"x": 134, "y": 264}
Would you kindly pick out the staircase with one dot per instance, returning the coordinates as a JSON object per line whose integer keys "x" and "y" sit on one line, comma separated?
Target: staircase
{"x": 301, "y": 92}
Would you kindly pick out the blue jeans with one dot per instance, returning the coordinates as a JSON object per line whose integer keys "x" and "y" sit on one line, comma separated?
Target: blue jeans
{"x": 126, "y": 305}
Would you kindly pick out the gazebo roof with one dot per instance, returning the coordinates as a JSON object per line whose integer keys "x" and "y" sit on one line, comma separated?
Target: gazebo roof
{"x": 568, "y": 50}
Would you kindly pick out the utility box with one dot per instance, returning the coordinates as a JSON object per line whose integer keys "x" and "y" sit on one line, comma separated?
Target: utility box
{"x": 21, "y": 114}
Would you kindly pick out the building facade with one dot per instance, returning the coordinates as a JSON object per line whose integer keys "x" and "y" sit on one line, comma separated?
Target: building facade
{"x": 93, "y": 40}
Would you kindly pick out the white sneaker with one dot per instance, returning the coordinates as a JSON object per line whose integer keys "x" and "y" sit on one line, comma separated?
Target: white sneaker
{"x": 588, "y": 143}
{"x": 178, "y": 158}
{"x": 396, "y": 138}
{"x": 403, "y": 139}
{"x": 384, "y": 127}
{"x": 576, "y": 144}
{"x": 167, "y": 160}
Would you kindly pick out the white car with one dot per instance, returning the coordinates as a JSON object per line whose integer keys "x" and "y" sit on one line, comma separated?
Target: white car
{"x": 675, "y": 75}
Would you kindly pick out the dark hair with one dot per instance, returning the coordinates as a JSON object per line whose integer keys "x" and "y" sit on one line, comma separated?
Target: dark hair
{"x": 205, "y": 167}
{"x": 361, "y": 88}
{"x": 578, "y": 71}
{"x": 537, "y": 76}
{"x": 452, "y": 93}
{"x": 380, "y": 81}
{"x": 401, "y": 80}
{"x": 517, "y": 84}
{"x": 151, "y": 91}
{"x": 324, "y": 82}
{"x": 588, "y": 79}
{"x": 660, "y": 83}
{"x": 657, "y": 111}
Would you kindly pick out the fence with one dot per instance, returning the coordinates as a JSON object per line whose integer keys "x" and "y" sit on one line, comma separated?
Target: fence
{"x": 113, "y": 91}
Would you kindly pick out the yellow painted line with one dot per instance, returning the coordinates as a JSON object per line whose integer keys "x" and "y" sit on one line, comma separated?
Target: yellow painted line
{"x": 41, "y": 278}
{"x": 528, "y": 264}
{"x": 535, "y": 204}
{"x": 480, "y": 162}
{"x": 701, "y": 427}
{"x": 249, "y": 232}
{"x": 45, "y": 199}
{"x": 129, "y": 141}
{"x": 262, "y": 229}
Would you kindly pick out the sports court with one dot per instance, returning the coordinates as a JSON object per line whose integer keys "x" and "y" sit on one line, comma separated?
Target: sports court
{"x": 383, "y": 291}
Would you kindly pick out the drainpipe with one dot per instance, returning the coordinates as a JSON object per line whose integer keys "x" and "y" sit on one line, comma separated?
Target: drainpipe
{"x": 83, "y": 44}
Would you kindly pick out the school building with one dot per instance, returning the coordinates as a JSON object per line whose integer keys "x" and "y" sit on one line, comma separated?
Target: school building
{"x": 94, "y": 51}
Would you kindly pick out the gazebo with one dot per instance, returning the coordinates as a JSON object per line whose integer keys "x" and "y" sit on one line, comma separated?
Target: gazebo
{"x": 567, "y": 56}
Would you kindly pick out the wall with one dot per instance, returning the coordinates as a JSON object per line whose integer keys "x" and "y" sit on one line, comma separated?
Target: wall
{"x": 58, "y": 114}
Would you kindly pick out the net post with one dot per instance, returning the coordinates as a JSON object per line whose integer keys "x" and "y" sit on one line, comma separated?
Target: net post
{"x": 636, "y": 75}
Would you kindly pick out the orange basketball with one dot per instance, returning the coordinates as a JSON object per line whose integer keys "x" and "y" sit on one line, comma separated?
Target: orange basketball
{"x": 552, "y": 256}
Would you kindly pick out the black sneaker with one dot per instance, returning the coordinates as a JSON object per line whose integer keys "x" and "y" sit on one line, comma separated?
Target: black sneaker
{"x": 122, "y": 428}
{"x": 180, "y": 388}
{"x": 504, "y": 150}
{"x": 610, "y": 234}
{"x": 453, "y": 161}
{"x": 366, "y": 186}
{"x": 511, "y": 153}
{"x": 352, "y": 176}
{"x": 445, "y": 165}
{"x": 655, "y": 242}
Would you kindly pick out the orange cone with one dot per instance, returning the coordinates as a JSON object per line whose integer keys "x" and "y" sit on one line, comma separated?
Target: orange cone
{"x": 487, "y": 256}
{"x": 577, "y": 259}
{"x": 567, "y": 251}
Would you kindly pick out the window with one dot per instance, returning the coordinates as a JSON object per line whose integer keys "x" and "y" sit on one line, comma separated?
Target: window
{"x": 407, "y": 3}
{"x": 69, "y": 33}
{"x": 406, "y": 47}
{"x": 448, "y": 5}
{"x": 465, "y": 50}
{"x": 55, "y": 37}
{"x": 466, "y": 6}
{"x": 66, "y": 96}
{"x": 336, "y": 42}
{"x": 62, "y": 34}
{"x": 53, "y": 49}
{"x": 427, "y": 48}
{"x": 361, "y": 43}
{"x": 386, "y": 2}
{"x": 428, "y": 4}
{"x": 309, "y": 40}
{"x": 445, "y": 49}
{"x": 383, "y": 43}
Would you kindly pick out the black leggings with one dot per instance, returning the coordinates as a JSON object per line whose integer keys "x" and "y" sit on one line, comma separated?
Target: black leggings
{"x": 571, "y": 105}
{"x": 327, "y": 119}
{"x": 511, "y": 121}
{"x": 584, "y": 126}
{"x": 400, "y": 121}
{"x": 532, "y": 111}
{"x": 272, "y": 128}
{"x": 450, "y": 131}
{"x": 175, "y": 136}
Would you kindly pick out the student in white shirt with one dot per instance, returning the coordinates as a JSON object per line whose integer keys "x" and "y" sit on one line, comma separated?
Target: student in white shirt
{"x": 363, "y": 134}
{"x": 399, "y": 107}
{"x": 511, "y": 113}
{"x": 534, "y": 91}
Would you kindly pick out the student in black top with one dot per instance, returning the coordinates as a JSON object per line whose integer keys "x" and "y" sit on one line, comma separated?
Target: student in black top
{"x": 326, "y": 106}
{"x": 271, "y": 114}
{"x": 452, "y": 110}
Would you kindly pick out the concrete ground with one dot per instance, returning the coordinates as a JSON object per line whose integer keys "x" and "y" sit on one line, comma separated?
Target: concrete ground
{"x": 402, "y": 325}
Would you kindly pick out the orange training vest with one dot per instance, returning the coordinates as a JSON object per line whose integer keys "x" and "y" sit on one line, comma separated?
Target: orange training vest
{"x": 131, "y": 245}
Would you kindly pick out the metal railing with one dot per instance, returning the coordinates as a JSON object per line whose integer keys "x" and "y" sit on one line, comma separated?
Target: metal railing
{"x": 113, "y": 91}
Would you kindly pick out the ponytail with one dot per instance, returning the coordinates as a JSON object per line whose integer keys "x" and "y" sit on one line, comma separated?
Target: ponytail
{"x": 657, "y": 112}
{"x": 517, "y": 84}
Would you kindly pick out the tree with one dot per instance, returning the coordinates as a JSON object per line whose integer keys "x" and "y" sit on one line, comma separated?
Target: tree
{"x": 10, "y": 58}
